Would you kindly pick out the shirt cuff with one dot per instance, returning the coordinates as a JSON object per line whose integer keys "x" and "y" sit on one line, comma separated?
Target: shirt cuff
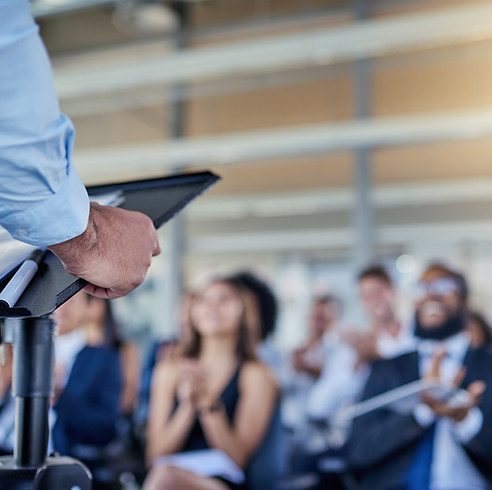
{"x": 470, "y": 426}
{"x": 424, "y": 415}
{"x": 61, "y": 216}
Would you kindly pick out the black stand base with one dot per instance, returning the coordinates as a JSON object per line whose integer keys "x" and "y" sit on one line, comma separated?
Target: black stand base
{"x": 58, "y": 473}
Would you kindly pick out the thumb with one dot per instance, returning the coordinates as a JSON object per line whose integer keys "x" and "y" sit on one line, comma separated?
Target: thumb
{"x": 476, "y": 389}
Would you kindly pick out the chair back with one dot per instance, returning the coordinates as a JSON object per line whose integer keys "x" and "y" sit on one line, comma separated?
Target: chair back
{"x": 269, "y": 463}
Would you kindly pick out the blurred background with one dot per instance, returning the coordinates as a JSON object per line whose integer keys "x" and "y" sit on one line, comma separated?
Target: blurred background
{"x": 345, "y": 132}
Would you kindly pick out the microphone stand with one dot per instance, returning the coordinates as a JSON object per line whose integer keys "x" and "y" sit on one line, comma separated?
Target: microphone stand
{"x": 29, "y": 468}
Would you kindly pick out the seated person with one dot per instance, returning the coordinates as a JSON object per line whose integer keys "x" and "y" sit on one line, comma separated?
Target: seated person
{"x": 159, "y": 350}
{"x": 88, "y": 377}
{"x": 262, "y": 306}
{"x": 303, "y": 369}
{"x": 7, "y": 404}
{"x": 434, "y": 444}
{"x": 216, "y": 398}
{"x": 479, "y": 330}
{"x": 346, "y": 371}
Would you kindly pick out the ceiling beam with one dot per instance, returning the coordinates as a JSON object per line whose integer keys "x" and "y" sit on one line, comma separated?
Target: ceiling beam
{"x": 371, "y": 38}
{"x": 42, "y": 8}
{"x": 339, "y": 238}
{"x": 388, "y": 196}
{"x": 102, "y": 164}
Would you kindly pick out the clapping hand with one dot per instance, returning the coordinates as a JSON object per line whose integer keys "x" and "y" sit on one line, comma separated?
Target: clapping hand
{"x": 450, "y": 408}
{"x": 191, "y": 381}
{"x": 365, "y": 344}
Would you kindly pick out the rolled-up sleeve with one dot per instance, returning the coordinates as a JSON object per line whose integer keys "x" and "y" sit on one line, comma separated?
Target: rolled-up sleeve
{"x": 42, "y": 199}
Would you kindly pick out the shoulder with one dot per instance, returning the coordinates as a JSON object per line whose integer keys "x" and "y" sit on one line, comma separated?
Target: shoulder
{"x": 385, "y": 373}
{"x": 397, "y": 361}
{"x": 481, "y": 353}
{"x": 481, "y": 358}
{"x": 256, "y": 374}
{"x": 166, "y": 371}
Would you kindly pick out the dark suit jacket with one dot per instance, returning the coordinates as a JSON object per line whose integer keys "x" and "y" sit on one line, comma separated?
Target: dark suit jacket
{"x": 88, "y": 408}
{"x": 382, "y": 443}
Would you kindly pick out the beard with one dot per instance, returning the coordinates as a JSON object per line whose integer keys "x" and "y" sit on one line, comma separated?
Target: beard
{"x": 452, "y": 325}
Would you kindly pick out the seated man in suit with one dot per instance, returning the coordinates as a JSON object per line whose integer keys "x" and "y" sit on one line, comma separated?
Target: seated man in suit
{"x": 437, "y": 445}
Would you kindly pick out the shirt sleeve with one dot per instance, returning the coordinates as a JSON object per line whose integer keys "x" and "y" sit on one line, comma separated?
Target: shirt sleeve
{"x": 470, "y": 426}
{"x": 42, "y": 199}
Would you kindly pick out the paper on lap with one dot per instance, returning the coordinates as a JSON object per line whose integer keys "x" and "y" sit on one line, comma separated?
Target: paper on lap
{"x": 206, "y": 462}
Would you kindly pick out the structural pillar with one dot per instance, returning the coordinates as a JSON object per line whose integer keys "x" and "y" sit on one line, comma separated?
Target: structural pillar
{"x": 363, "y": 217}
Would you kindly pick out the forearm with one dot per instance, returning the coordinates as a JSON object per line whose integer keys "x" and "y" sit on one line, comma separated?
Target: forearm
{"x": 170, "y": 437}
{"x": 220, "y": 434}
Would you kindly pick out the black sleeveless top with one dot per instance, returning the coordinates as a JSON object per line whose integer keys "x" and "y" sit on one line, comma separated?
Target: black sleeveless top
{"x": 229, "y": 396}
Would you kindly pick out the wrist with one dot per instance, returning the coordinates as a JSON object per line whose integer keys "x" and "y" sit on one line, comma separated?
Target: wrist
{"x": 214, "y": 407}
{"x": 72, "y": 252}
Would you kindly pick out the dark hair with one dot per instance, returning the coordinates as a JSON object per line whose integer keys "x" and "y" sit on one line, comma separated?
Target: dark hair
{"x": 267, "y": 302}
{"x": 376, "y": 272}
{"x": 111, "y": 333}
{"x": 458, "y": 278}
{"x": 244, "y": 349}
{"x": 480, "y": 320}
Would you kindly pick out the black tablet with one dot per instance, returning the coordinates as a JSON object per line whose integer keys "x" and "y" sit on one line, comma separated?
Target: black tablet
{"x": 160, "y": 199}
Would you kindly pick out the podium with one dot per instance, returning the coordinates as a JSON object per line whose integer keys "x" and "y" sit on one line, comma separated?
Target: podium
{"x": 28, "y": 326}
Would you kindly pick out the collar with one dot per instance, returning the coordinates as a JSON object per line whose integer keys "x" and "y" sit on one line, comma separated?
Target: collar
{"x": 455, "y": 346}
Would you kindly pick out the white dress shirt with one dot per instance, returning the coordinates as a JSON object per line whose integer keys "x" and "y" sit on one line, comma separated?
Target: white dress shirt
{"x": 451, "y": 468}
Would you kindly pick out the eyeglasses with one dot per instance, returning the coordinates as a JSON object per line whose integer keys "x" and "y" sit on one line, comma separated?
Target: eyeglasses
{"x": 438, "y": 287}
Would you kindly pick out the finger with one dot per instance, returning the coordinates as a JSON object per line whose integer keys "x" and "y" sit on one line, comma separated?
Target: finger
{"x": 157, "y": 247}
{"x": 440, "y": 409}
{"x": 436, "y": 363}
{"x": 459, "y": 377}
{"x": 99, "y": 292}
{"x": 428, "y": 398}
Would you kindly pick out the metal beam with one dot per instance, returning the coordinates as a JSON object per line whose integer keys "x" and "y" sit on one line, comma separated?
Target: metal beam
{"x": 363, "y": 251}
{"x": 42, "y": 8}
{"x": 371, "y": 38}
{"x": 339, "y": 238}
{"x": 102, "y": 164}
{"x": 329, "y": 200}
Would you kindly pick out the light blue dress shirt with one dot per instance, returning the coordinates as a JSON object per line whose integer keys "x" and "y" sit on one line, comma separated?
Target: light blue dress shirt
{"x": 42, "y": 199}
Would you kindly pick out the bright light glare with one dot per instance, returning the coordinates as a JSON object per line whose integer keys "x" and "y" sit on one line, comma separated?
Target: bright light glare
{"x": 405, "y": 263}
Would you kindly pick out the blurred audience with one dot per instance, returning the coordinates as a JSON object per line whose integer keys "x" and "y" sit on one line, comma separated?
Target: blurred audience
{"x": 305, "y": 365}
{"x": 437, "y": 442}
{"x": 345, "y": 373}
{"x": 480, "y": 331}
{"x": 88, "y": 376}
{"x": 261, "y": 309}
{"x": 311, "y": 357}
{"x": 211, "y": 405}
{"x": 159, "y": 350}
{"x": 386, "y": 335}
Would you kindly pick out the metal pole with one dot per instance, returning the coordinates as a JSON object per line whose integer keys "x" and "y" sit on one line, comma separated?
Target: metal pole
{"x": 176, "y": 122}
{"x": 33, "y": 368}
{"x": 363, "y": 213}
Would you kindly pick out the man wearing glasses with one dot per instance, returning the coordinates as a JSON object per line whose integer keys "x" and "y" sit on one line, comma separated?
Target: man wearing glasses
{"x": 434, "y": 444}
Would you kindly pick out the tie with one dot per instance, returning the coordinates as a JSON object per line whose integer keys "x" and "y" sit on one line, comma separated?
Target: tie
{"x": 418, "y": 474}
